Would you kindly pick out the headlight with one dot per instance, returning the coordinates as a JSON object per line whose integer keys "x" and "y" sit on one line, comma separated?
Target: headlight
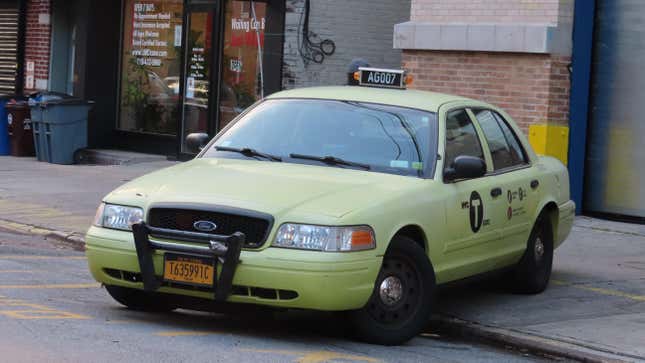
{"x": 117, "y": 216}
{"x": 325, "y": 238}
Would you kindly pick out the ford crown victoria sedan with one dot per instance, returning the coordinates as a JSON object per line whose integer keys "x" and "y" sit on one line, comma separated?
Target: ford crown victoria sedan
{"x": 352, "y": 199}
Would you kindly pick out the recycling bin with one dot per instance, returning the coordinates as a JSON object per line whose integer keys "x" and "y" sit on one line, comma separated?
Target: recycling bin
{"x": 19, "y": 129}
{"x": 5, "y": 146}
{"x": 59, "y": 126}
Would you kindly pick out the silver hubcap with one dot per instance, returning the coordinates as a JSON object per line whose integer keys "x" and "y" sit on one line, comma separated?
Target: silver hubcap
{"x": 539, "y": 249}
{"x": 391, "y": 290}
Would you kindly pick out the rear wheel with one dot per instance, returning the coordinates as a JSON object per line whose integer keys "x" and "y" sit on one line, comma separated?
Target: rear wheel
{"x": 400, "y": 305}
{"x": 532, "y": 274}
{"x": 139, "y": 300}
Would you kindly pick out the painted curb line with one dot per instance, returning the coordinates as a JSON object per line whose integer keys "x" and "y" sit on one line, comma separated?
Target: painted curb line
{"x": 530, "y": 342}
{"x": 78, "y": 242}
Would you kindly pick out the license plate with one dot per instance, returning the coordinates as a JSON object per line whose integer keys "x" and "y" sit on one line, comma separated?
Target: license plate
{"x": 190, "y": 270}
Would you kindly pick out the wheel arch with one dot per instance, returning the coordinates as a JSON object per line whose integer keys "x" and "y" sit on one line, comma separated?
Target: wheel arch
{"x": 415, "y": 233}
{"x": 551, "y": 211}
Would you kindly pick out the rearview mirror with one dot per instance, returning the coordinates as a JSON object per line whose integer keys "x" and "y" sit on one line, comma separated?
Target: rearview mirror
{"x": 465, "y": 167}
{"x": 195, "y": 142}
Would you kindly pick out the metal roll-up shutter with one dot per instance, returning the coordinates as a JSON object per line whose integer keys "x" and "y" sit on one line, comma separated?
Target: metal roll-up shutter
{"x": 9, "y": 20}
{"x": 615, "y": 163}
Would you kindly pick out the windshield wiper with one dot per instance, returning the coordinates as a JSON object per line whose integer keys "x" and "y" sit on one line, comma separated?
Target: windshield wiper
{"x": 330, "y": 160}
{"x": 248, "y": 152}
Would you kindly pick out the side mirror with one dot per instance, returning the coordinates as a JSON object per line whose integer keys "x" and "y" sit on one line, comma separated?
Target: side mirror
{"x": 196, "y": 142}
{"x": 465, "y": 167}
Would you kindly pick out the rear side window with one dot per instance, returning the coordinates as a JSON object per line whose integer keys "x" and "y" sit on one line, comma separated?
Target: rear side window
{"x": 461, "y": 137}
{"x": 504, "y": 146}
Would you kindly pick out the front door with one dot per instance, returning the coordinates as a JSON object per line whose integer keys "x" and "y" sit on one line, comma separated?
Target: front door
{"x": 234, "y": 68}
{"x": 472, "y": 234}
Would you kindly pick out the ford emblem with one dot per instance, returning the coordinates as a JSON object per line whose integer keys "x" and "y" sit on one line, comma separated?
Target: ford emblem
{"x": 205, "y": 226}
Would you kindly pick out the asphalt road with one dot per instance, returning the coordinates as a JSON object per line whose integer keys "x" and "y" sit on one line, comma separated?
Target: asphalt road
{"x": 52, "y": 311}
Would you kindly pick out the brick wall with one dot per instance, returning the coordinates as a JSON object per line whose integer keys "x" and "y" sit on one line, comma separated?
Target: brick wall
{"x": 360, "y": 29}
{"x": 37, "y": 41}
{"x": 532, "y": 88}
{"x": 493, "y": 11}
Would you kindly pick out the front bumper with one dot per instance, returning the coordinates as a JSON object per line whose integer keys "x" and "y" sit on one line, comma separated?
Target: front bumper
{"x": 320, "y": 280}
{"x": 226, "y": 249}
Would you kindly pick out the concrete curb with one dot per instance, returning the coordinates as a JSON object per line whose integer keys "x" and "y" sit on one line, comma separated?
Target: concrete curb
{"x": 72, "y": 238}
{"x": 114, "y": 157}
{"x": 530, "y": 342}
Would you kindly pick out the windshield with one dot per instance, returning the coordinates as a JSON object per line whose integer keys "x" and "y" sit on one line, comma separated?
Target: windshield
{"x": 380, "y": 138}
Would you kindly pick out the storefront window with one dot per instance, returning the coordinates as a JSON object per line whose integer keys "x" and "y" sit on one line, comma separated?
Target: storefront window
{"x": 242, "y": 78}
{"x": 150, "y": 72}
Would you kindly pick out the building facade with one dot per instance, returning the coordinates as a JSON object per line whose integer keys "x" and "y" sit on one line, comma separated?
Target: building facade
{"x": 161, "y": 69}
{"x": 515, "y": 54}
{"x": 567, "y": 70}
{"x": 368, "y": 37}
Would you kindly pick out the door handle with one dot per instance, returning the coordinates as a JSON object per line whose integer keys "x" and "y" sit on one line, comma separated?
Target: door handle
{"x": 535, "y": 183}
{"x": 496, "y": 192}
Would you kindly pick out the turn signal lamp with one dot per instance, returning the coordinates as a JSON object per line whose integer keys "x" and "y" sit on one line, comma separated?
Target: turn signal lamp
{"x": 408, "y": 80}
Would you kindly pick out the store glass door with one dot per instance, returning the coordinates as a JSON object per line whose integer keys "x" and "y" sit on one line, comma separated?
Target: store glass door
{"x": 198, "y": 71}
{"x": 192, "y": 66}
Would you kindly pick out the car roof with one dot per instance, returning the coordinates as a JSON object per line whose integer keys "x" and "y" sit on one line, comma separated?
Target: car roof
{"x": 423, "y": 100}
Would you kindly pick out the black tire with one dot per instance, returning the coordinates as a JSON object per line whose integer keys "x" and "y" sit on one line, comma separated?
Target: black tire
{"x": 385, "y": 321}
{"x": 533, "y": 272}
{"x": 139, "y": 300}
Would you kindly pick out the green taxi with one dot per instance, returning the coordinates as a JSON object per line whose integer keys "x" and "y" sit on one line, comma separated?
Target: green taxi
{"x": 356, "y": 199}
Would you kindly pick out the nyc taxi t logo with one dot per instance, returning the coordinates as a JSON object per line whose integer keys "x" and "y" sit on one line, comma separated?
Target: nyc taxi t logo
{"x": 476, "y": 211}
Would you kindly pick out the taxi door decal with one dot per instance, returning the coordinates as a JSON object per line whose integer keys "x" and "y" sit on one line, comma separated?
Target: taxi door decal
{"x": 512, "y": 196}
{"x": 476, "y": 212}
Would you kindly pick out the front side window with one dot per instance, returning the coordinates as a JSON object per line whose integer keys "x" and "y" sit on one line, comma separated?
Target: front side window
{"x": 504, "y": 147}
{"x": 461, "y": 137}
{"x": 381, "y": 138}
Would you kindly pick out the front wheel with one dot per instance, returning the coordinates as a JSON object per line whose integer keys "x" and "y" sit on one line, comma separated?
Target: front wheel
{"x": 139, "y": 300}
{"x": 400, "y": 305}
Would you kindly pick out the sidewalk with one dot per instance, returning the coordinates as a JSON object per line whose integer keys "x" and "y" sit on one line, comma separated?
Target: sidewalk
{"x": 594, "y": 309}
{"x": 60, "y": 197}
{"x": 595, "y": 302}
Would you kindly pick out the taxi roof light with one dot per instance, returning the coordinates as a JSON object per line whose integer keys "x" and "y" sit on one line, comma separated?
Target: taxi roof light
{"x": 382, "y": 78}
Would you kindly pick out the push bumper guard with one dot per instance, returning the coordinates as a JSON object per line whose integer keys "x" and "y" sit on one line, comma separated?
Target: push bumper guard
{"x": 226, "y": 249}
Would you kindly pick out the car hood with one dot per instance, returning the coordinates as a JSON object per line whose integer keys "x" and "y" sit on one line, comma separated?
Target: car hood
{"x": 269, "y": 187}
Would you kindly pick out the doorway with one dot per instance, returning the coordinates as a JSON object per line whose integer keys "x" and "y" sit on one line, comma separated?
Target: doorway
{"x": 192, "y": 66}
{"x": 198, "y": 71}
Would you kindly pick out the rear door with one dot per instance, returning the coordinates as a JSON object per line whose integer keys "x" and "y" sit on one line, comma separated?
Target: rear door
{"x": 512, "y": 174}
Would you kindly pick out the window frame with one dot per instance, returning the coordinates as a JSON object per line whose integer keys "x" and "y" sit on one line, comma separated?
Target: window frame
{"x": 478, "y": 132}
{"x": 499, "y": 118}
